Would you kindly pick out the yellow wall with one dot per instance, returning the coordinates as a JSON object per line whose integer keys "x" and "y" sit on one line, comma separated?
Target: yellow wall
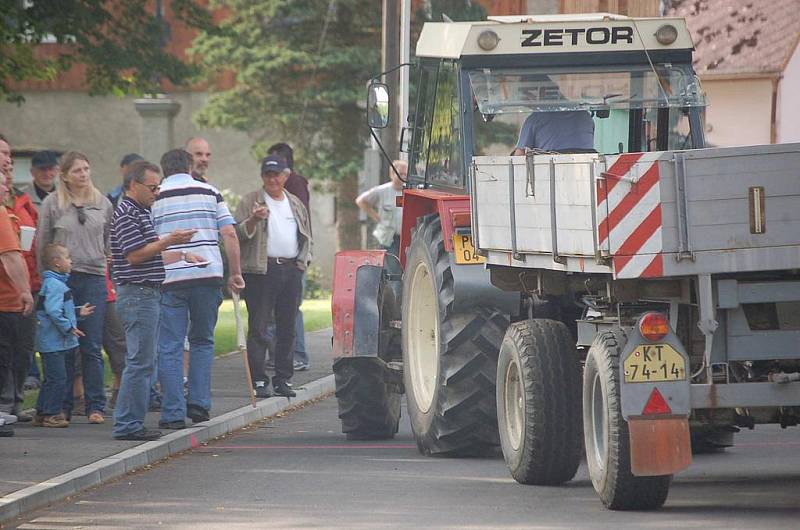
{"x": 738, "y": 112}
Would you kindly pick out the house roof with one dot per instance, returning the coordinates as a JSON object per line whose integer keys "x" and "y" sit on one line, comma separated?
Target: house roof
{"x": 736, "y": 37}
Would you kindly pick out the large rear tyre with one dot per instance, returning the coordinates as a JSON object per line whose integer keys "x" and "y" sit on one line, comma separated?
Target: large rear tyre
{"x": 449, "y": 359}
{"x": 368, "y": 407}
{"x": 538, "y": 402}
{"x": 606, "y": 433}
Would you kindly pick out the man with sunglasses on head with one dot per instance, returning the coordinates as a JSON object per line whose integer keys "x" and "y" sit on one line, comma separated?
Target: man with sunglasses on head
{"x": 138, "y": 257}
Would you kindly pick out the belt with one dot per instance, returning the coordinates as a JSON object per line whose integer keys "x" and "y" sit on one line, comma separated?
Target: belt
{"x": 282, "y": 261}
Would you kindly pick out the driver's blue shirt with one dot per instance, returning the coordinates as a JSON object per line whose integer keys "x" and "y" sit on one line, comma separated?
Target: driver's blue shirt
{"x": 557, "y": 131}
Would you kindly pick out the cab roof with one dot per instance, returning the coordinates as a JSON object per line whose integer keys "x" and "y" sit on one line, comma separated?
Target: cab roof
{"x": 538, "y": 34}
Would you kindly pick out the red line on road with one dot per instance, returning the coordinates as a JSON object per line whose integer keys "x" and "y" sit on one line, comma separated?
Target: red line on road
{"x": 300, "y": 446}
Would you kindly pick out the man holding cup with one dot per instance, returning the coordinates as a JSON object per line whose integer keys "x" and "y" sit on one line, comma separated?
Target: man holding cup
{"x": 24, "y": 218}
{"x": 16, "y": 302}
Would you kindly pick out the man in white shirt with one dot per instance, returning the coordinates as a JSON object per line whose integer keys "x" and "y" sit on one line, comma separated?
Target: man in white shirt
{"x": 275, "y": 238}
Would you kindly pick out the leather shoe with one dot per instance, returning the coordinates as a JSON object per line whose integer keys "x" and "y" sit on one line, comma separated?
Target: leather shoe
{"x": 262, "y": 390}
{"x": 142, "y": 435}
{"x": 283, "y": 389}
{"x": 174, "y": 425}
{"x": 197, "y": 413}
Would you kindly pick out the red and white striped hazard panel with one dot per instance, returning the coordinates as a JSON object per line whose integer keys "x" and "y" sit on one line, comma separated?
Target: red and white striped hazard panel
{"x": 629, "y": 215}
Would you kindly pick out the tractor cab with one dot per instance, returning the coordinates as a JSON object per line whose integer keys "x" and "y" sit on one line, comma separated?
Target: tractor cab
{"x": 629, "y": 82}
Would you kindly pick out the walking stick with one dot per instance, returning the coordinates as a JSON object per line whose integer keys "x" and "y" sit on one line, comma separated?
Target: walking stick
{"x": 243, "y": 346}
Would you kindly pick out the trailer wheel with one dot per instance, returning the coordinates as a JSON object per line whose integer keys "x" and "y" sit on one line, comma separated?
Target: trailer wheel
{"x": 368, "y": 407}
{"x": 449, "y": 359}
{"x": 538, "y": 402}
{"x": 606, "y": 433}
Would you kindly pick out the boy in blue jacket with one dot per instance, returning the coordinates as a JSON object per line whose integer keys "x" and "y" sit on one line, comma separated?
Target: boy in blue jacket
{"x": 56, "y": 335}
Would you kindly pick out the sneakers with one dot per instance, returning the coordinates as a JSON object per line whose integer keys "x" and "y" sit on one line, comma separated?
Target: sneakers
{"x": 6, "y": 431}
{"x": 7, "y": 418}
{"x": 31, "y": 383}
{"x": 172, "y": 425}
{"x": 300, "y": 366}
{"x": 197, "y": 413}
{"x": 262, "y": 390}
{"x": 96, "y": 418}
{"x": 23, "y": 417}
{"x": 155, "y": 405}
{"x": 283, "y": 389}
{"x": 56, "y": 421}
{"x": 142, "y": 435}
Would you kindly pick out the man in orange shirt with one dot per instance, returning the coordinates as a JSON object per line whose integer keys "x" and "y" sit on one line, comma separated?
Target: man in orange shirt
{"x": 15, "y": 290}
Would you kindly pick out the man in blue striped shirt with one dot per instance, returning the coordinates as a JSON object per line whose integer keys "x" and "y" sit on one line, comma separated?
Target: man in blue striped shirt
{"x": 191, "y": 291}
{"x": 137, "y": 258}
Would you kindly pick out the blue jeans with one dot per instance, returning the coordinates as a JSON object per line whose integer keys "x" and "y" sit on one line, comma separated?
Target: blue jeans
{"x": 177, "y": 305}
{"x": 51, "y": 395}
{"x": 89, "y": 288}
{"x": 138, "y": 307}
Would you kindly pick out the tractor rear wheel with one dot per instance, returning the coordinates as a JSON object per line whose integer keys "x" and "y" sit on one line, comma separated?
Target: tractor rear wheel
{"x": 449, "y": 358}
{"x": 606, "y": 433}
{"x": 539, "y": 402}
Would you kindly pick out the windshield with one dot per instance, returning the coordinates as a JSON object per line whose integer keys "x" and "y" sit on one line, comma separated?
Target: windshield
{"x": 591, "y": 88}
{"x": 607, "y": 108}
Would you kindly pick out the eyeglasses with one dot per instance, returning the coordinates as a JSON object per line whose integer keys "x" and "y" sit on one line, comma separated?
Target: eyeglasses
{"x": 81, "y": 214}
{"x": 152, "y": 187}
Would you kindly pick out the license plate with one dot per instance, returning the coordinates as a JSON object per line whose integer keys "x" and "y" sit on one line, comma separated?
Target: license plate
{"x": 650, "y": 363}
{"x": 465, "y": 251}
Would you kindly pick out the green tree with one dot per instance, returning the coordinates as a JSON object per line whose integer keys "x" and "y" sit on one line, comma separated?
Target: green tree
{"x": 300, "y": 68}
{"x": 457, "y": 10}
{"x": 119, "y": 42}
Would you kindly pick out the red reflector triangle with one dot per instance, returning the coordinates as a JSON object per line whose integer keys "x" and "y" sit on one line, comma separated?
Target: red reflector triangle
{"x": 656, "y": 404}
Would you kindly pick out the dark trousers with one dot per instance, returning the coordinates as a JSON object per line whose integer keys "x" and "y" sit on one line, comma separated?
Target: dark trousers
{"x": 9, "y": 344}
{"x": 276, "y": 292}
{"x": 11, "y": 390}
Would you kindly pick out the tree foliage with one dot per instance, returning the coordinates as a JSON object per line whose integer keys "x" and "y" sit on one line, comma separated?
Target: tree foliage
{"x": 300, "y": 69}
{"x": 119, "y": 41}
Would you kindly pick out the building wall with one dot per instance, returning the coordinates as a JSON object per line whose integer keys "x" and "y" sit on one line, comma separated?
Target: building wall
{"x": 106, "y": 128}
{"x": 788, "y": 117}
{"x": 738, "y": 112}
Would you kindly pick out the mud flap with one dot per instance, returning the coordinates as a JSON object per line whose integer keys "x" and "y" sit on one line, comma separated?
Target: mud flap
{"x": 659, "y": 446}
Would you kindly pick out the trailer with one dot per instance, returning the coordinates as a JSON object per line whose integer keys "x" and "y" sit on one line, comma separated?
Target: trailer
{"x": 627, "y": 302}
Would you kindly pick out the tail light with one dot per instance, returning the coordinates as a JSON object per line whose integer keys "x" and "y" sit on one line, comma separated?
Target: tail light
{"x": 654, "y": 326}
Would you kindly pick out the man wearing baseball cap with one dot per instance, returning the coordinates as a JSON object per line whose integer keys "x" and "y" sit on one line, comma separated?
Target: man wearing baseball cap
{"x": 275, "y": 238}
{"x": 44, "y": 170}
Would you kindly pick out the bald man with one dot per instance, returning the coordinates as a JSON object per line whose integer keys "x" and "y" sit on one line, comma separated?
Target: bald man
{"x": 201, "y": 156}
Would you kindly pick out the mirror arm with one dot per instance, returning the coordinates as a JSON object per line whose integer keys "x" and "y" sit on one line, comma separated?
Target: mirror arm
{"x": 386, "y": 155}
{"x": 377, "y": 78}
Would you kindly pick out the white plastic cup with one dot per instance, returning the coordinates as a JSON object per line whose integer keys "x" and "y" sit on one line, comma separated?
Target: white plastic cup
{"x": 26, "y": 234}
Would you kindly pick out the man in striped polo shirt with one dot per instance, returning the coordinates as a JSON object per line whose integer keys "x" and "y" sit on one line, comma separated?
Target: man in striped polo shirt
{"x": 191, "y": 292}
{"x": 138, "y": 264}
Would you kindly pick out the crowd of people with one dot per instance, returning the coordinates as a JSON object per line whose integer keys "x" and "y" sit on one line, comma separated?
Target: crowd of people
{"x": 140, "y": 273}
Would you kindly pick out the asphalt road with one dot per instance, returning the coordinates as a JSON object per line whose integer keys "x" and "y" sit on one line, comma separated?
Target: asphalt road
{"x": 298, "y": 471}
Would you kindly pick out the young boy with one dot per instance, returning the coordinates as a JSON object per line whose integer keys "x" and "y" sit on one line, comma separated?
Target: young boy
{"x": 56, "y": 335}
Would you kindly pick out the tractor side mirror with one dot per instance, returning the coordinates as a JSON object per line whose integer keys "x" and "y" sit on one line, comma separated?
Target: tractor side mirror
{"x": 378, "y": 106}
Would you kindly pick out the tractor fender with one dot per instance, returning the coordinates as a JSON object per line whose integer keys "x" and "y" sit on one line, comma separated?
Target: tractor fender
{"x": 360, "y": 308}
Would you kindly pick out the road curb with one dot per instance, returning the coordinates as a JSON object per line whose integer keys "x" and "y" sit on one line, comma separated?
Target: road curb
{"x": 57, "y": 488}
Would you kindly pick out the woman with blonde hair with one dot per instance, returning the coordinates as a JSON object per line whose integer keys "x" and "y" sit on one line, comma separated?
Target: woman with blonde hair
{"x": 78, "y": 217}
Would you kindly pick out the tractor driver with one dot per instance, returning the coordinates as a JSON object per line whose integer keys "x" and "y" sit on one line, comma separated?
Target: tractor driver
{"x": 566, "y": 131}
{"x": 569, "y": 131}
